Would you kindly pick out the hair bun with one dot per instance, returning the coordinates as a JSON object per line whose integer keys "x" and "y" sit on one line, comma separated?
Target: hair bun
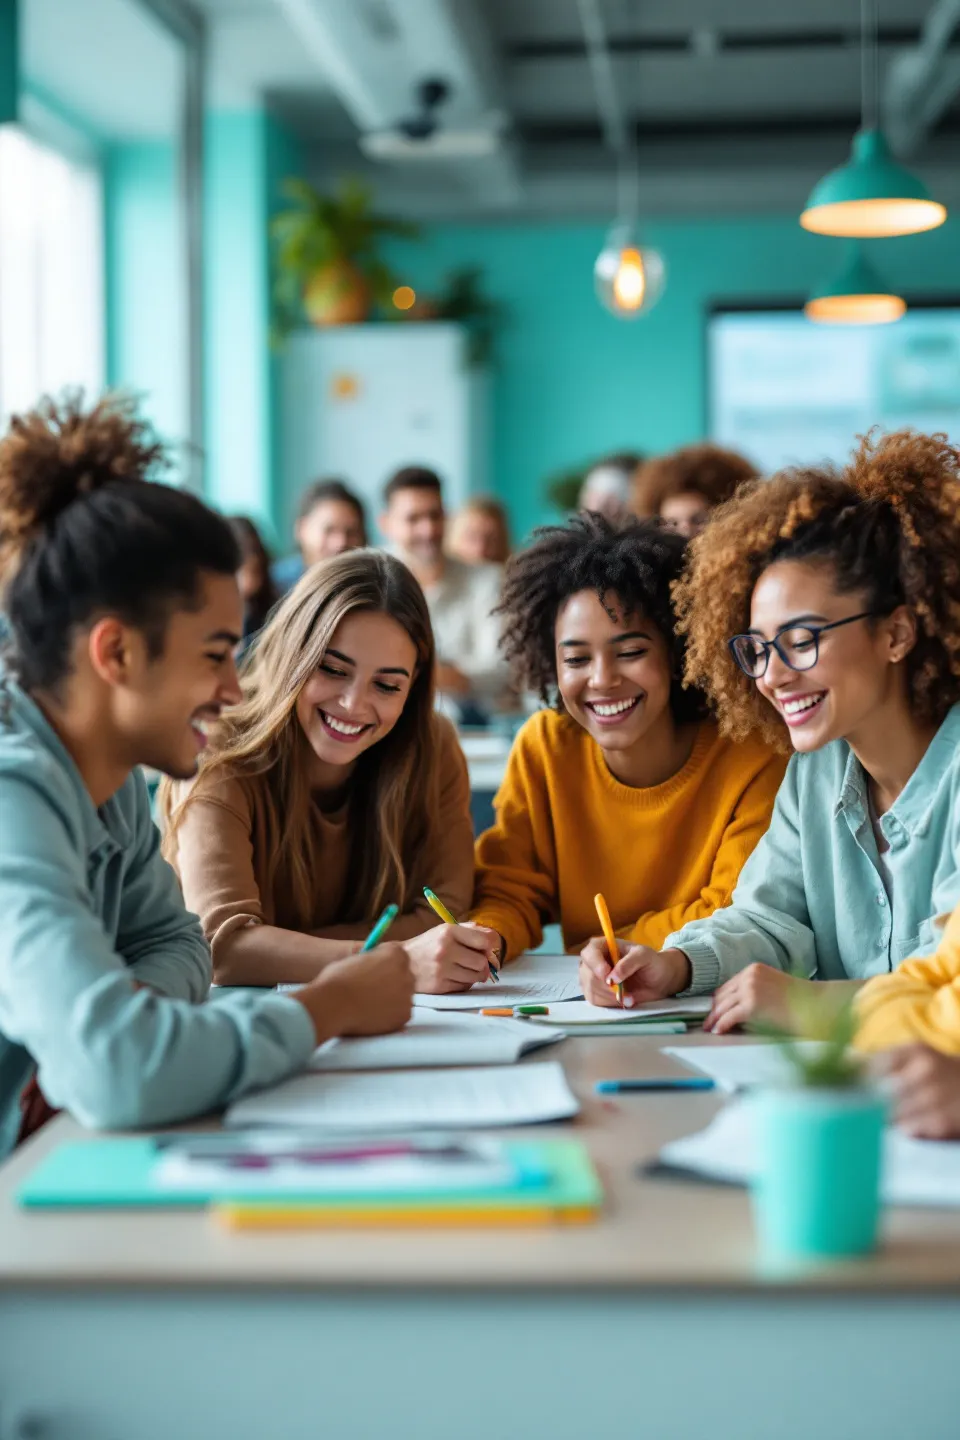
{"x": 59, "y": 453}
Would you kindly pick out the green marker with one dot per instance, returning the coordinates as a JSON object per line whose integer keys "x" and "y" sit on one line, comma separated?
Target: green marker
{"x": 531, "y": 1010}
{"x": 381, "y": 928}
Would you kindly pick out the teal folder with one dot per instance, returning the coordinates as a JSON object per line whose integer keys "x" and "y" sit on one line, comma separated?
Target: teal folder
{"x": 118, "y": 1173}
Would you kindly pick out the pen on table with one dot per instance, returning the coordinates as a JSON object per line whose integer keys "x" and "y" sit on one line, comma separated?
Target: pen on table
{"x": 686, "y": 1082}
{"x": 606, "y": 926}
{"x": 381, "y": 928}
{"x": 514, "y": 1010}
{"x": 438, "y": 908}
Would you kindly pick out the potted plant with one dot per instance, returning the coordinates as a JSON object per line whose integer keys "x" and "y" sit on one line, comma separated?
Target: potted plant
{"x": 327, "y": 254}
{"x": 820, "y": 1138}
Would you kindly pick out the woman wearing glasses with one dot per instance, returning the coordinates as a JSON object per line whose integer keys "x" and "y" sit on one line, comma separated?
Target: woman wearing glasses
{"x": 822, "y": 612}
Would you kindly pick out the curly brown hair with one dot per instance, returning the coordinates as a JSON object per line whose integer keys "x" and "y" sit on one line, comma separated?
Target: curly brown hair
{"x": 635, "y": 561}
{"x": 889, "y": 526}
{"x": 707, "y": 470}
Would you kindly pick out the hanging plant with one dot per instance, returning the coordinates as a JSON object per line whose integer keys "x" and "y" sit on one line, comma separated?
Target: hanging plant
{"x": 326, "y": 255}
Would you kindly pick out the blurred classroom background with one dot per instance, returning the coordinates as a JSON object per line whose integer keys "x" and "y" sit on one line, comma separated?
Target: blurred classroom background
{"x": 150, "y": 143}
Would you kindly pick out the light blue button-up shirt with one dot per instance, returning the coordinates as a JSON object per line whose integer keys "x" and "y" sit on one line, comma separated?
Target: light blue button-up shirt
{"x": 87, "y": 904}
{"x": 812, "y": 896}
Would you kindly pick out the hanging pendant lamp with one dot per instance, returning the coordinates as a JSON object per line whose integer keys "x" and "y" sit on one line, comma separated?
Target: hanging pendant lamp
{"x": 628, "y": 279}
{"x": 871, "y": 196}
{"x": 857, "y": 296}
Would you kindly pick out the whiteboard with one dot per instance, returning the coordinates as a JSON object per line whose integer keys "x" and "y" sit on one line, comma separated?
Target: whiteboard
{"x": 785, "y": 391}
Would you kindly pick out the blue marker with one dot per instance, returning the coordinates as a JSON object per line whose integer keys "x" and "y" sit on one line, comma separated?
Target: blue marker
{"x": 381, "y": 928}
{"x": 684, "y": 1082}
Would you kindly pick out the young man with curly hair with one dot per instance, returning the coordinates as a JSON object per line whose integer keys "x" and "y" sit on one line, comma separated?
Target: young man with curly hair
{"x": 625, "y": 785}
{"x": 822, "y": 614}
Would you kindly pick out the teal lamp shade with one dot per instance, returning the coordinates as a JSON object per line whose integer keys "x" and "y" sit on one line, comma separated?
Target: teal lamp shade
{"x": 858, "y": 296}
{"x": 871, "y": 196}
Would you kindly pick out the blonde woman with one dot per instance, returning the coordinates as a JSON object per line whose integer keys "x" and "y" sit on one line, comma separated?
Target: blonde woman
{"x": 331, "y": 791}
{"x": 480, "y": 532}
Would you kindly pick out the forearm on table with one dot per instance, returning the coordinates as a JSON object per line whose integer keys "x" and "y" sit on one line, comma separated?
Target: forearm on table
{"x": 267, "y": 955}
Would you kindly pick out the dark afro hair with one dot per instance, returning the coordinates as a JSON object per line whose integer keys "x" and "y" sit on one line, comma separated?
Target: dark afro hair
{"x": 633, "y": 561}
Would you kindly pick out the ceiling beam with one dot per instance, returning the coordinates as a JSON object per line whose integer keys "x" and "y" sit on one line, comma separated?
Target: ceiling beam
{"x": 922, "y": 81}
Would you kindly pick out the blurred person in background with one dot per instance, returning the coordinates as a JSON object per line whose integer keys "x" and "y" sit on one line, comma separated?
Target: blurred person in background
{"x": 685, "y": 485}
{"x": 480, "y": 533}
{"x": 606, "y": 488}
{"x": 330, "y": 521}
{"x": 257, "y": 589}
{"x": 472, "y": 678}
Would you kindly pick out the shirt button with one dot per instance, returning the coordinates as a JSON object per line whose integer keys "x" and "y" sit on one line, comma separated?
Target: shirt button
{"x": 881, "y": 899}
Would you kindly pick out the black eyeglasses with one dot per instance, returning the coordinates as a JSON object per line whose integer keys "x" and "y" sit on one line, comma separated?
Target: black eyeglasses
{"x": 797, "y": 645}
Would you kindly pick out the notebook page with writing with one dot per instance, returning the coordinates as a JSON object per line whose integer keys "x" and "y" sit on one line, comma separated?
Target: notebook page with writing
{"x": 413, "y": 1100}
{"x": 436, "y": 1038}
{"x": 531, "y": 979}
{"x": 571, "y": 1013}
{"x": 915, "y": 1172}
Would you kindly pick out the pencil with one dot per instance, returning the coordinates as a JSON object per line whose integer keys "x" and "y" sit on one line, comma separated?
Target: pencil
{"x": 438, "y": 908}
{"x": 606, "y": 926}
{"x": 381, "y": 928}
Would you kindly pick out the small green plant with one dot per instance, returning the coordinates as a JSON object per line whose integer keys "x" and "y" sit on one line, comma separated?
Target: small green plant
{"x": 340, "y": 234}
{"x": 463, "y": 299}
{"x": 562, "y": 489}
{"x": 817, "y": 1015}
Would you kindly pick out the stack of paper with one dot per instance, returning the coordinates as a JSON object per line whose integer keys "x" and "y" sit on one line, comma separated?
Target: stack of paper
{"x": 530, "y": 980}
{"x": 408, "y": 1100}
{"x": 656, "y": 1017}
{"x": 915, "y": 1172}
{"x": 741, "y": 1067}
{"x": 433, "y": 1038}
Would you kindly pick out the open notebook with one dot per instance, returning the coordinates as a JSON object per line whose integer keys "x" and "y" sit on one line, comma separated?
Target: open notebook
{"x": 531, "y": 979}
{"x": 413, "y": 1100}
{"x": 915, "y": 1172}
{"x": 573, "y": 1015}
{"x": 433, "y": 1038}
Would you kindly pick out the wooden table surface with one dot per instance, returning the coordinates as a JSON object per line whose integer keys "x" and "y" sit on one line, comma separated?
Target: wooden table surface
{"x": 654, "y": 1232}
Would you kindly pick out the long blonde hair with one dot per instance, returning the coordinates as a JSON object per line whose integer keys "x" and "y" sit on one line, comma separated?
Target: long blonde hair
{"x": 394, "y": 790}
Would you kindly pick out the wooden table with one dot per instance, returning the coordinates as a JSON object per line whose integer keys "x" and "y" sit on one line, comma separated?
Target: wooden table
{"x": 656, "y": 1321}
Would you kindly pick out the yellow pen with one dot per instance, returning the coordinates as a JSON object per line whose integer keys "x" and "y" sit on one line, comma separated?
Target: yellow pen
{"x": 438, "y": 908}
{"x": 606, "y": 925}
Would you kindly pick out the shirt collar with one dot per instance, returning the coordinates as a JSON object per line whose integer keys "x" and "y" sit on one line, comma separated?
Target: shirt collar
{"x": 912, "y": 807}
{"x": 106, "y": 828}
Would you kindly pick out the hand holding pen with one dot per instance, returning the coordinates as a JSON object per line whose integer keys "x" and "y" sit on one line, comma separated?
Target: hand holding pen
{"x": 452, "y": 957}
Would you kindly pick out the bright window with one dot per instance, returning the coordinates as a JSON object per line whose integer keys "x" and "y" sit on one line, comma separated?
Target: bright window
{"x": 51, "y": 273}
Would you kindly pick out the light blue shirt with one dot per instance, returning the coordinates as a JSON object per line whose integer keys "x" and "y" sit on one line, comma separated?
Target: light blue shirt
{"x": 812, "y": 895}
{"x": 88, "y": 904}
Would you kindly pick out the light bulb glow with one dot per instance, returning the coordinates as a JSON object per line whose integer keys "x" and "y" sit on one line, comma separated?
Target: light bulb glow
{"x": 629, "y": 281}
{"x": 855, "y": 309}
{"x": 874, "y": 219}
{"x": 404, "y": 298}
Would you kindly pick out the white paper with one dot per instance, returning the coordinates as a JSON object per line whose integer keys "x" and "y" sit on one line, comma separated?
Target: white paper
{"x": 433, "y": 1038}
{"x": 413, "y": 1100}
{"x": 531, "y": 979}
{"x": 580, "y": 1012}
{"x": 739, "y": 1067}
{"x": 915, "y": 1172}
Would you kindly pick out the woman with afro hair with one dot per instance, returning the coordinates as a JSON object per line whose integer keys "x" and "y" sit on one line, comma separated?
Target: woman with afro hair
{"x": 822, "y": 614}
{"x": 624, "y": 785}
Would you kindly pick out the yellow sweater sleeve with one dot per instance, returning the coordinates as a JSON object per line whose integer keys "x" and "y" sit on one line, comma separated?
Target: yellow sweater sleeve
{"x": 515, "y": 880}
{"x": 748, "y": 823}
{"x": 920, "y": 1001}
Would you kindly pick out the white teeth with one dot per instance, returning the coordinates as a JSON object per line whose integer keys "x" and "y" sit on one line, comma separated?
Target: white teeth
{"x": 796, "y": 707}
{"x": 615, "y": 709}
{"x": 340, "y": 726}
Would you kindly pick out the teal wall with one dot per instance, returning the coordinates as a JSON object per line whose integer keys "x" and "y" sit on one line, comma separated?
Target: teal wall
{"x": 9, "y": 59}
{"x": 146, "y": 305}
{"x": 573, "y": 381}
{"x": 247, "y": 154}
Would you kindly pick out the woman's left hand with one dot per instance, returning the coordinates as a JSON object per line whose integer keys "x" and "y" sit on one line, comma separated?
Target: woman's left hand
{"x": 758, "y": 993}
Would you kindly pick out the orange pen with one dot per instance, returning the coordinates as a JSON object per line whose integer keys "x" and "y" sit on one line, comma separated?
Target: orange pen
{"x": 606, "y": 925}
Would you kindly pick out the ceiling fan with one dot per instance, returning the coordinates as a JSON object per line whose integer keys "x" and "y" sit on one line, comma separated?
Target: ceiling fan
{"x": 422, "y": 135}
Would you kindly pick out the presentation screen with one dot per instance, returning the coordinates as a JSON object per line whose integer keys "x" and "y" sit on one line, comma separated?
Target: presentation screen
{"x": 786, "y": 391}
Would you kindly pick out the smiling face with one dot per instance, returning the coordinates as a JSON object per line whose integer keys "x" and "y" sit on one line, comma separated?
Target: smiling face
{"x": 332, "y": 528}
{"x": 357, "y": 694}
{"x": 414, "y": 522}
{"x": 613, "y": 671}
{"x": 858, "y": 670}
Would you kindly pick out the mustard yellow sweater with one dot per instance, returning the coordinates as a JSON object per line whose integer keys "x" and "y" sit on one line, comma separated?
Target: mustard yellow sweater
{"x": 661, "y": 855}
{"x": 919, "y": 1001}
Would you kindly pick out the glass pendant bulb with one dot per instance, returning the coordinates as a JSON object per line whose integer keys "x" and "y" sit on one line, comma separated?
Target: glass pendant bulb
{"x": 629, "y": 280}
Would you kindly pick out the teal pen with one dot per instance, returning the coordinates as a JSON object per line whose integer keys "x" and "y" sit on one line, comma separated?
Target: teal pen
{"x": 623, "y": 1087}
{"x": 381, "y": 928}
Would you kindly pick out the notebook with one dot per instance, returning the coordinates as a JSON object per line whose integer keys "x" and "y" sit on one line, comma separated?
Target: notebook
{"x": 915, "y": 1172}
{"x": 572, "y": 1014}
{"x": 413, "y": 1100}
{"x": 572, "y": 1195}
{"x": 740, "y": 1067}
{"x": 531, "y": 979}
{"x": 435, "y": 1038}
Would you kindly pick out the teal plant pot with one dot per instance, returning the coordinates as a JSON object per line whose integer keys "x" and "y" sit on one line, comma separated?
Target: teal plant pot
{"x": 817, "y": 1189}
